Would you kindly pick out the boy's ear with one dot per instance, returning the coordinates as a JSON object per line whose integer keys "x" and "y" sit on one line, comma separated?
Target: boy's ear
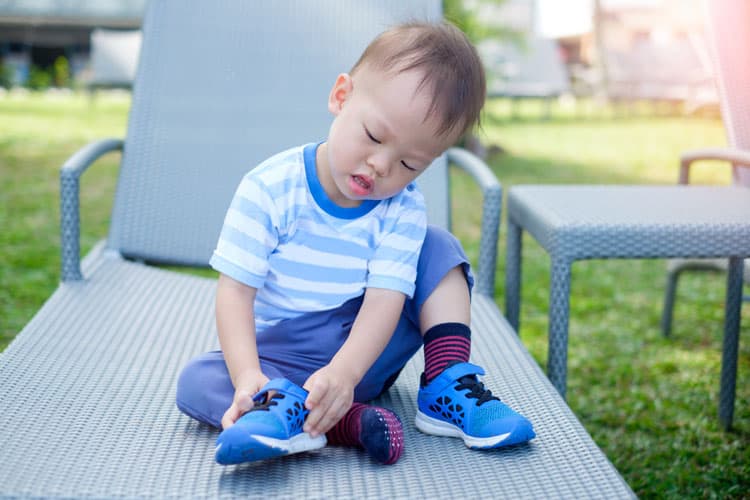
{"x": 340, "y": 93}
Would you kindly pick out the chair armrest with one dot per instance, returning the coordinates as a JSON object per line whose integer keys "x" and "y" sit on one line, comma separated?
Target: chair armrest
{"x": 70, "y": 222}
{"x": 492, "y": 201}
{"x": 726, "y": 154}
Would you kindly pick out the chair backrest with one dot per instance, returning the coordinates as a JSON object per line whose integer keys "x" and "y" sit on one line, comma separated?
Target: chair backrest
{"x": 220, "y": 87}
{"x": 729, "y": 32}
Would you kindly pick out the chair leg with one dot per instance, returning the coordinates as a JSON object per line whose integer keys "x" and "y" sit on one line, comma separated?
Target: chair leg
{"x": 730, "y": 347}
{"x": 513, "y": 275}
{"x": 667, "y": 311}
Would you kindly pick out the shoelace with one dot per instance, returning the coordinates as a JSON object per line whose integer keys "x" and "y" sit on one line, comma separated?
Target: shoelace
{"x": 268, "y": 403}
{"x": 476, "y": 390}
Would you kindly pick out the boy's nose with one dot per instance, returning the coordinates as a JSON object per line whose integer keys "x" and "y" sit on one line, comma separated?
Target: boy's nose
{"x": 380, "y": 164}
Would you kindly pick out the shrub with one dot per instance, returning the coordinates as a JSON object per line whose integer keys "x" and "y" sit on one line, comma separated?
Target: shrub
{"x": 39, "y": 78}
{"x": 6, "y": 76}
{"x": 61, "y": 72}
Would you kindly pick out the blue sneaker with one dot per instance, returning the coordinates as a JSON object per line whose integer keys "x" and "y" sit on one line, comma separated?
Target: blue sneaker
{"x": 270, "y": 429}
{"x": 456, "y": 404}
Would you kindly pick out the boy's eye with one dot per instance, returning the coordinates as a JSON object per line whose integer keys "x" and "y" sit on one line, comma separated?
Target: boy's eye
{"x": 372, "y": 138}
{"x": 407, "y": 166}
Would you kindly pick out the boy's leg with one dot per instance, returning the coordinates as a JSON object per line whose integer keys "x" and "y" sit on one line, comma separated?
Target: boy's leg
{"x": 441, "y": 307}
{"x": 451, "y": 400}
{"x": 205, "y": 390}
{"x": 444, "y": 322}
{"x": 441, "y": 255}
{"x": 292, "y": 349}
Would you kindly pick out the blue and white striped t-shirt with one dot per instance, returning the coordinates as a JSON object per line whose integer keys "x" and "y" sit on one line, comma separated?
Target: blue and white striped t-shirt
{"x": 285, "y": 237}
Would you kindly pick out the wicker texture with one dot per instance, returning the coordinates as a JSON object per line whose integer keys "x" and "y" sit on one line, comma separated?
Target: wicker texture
{"x": 93, "y": 415}
{"x": 588, "y": 222}
{"x": 492, "y": 202}
{"x": 70, "y": 217}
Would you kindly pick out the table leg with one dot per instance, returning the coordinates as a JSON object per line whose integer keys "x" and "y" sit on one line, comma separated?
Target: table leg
{"x": 513, "y": 275}
{"x": 667, "y": 310}
{"x": 731, "y": 342}
{"x": 559, "y": 302}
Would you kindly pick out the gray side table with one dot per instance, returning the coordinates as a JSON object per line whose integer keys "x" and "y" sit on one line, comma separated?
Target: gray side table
{"x": 599, "y": 222}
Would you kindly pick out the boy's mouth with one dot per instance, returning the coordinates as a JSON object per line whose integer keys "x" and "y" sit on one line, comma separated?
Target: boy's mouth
{"x": 361, "y": 185}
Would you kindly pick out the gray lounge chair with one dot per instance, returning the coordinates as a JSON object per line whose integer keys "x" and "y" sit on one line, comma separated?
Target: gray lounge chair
{"x": 729, "y": 35}
{"x": 87, "y": 388}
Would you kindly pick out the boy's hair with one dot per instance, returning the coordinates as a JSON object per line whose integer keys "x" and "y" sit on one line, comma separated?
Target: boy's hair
{"x": 450, "y": 64}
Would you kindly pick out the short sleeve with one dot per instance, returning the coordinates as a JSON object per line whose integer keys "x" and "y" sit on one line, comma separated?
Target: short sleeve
{"x": 394, "y": 263}
{"x": 248, "y": 236}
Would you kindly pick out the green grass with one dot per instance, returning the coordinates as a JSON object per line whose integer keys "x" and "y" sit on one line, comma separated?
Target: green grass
{"x": 649, "y": 402}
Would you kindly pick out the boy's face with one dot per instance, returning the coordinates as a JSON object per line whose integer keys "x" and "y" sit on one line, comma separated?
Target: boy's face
{"x": 379, "y": 141}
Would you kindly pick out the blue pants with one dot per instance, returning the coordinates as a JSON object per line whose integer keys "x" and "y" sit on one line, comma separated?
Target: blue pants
{"x": 296, "y": 348}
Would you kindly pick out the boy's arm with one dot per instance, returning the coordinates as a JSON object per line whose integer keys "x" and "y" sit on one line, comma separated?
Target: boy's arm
{"x": 236, "y": 327}
{"x": 332, "y": 387}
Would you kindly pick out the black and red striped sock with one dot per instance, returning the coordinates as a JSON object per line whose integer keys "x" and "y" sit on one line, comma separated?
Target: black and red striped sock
{"x": 377, "y": 430}
{"x": 443, "y": 344}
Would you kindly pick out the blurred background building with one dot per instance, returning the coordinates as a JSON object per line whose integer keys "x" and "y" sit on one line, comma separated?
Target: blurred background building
{"x": 619, "y": 50}
{"x": 616, "y": 49}
{"x": 49, "y": 42}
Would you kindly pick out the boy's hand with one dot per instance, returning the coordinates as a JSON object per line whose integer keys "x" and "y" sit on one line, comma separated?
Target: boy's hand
{"x": 331, "y": 396}
{"x": 247, "y": 385}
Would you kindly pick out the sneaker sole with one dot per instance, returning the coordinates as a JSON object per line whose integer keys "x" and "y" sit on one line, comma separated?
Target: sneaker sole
{"x": 436, "y": 427}
{"x": 260, "y": 447}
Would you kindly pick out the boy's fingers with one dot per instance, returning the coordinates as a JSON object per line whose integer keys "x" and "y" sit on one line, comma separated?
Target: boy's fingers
{"x": 311, "y": 422}
{"x": 313, "y": 418}
{"x": 318, "y": 402}
{"x": 230, "y": 417}
{"x": 317, "y": 390}
{"x": 325, "y": 416}
{"x": 331, "y": 417}
{"x": 242, "y": 403}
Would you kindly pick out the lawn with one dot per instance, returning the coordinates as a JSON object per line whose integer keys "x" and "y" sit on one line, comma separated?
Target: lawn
{"x": 649, "y": 402}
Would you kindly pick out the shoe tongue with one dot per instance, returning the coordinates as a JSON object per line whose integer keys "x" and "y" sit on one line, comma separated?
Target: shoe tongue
{"x": 268, "y": 402}
{"x": 477, "y": 390}
{"x": 466, "y": 379}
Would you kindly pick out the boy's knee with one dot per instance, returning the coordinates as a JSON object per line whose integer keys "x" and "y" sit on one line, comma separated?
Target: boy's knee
{"x": 441, "y": 253}
{"x": 440, "y": 240}
{"x": 189, "y": 387}
{"x": 188, "y": 381}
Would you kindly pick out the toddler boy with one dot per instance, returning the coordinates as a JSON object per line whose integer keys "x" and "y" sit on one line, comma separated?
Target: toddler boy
{"x": 331, "y": 279}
